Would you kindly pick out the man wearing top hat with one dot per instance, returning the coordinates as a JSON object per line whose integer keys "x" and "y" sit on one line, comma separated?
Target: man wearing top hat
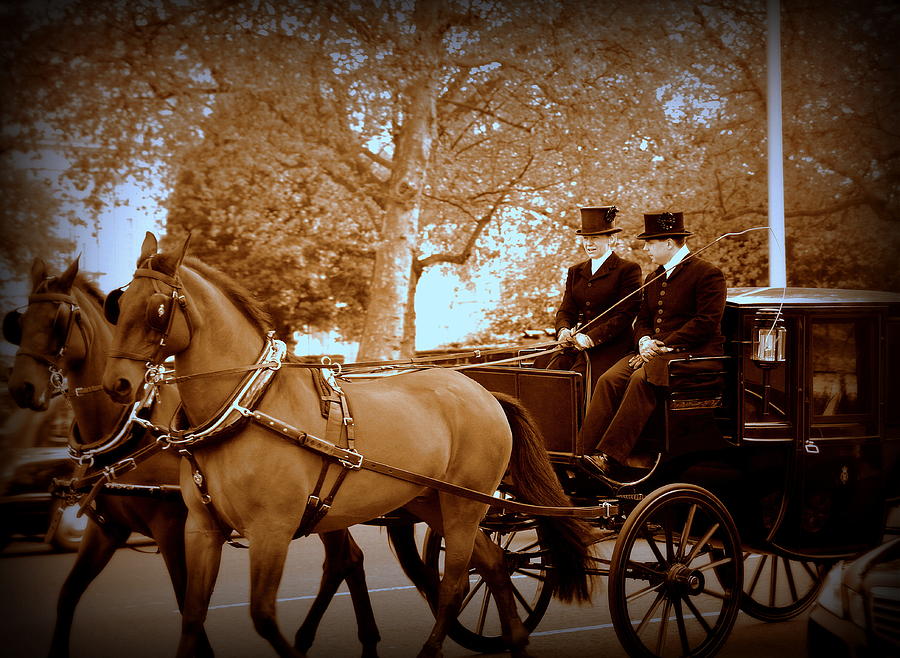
{"x": 588, "y": 320}
{"x": 681, "y": 312}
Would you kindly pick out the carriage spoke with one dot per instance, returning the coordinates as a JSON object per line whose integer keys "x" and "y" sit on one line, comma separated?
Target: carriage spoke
{"x": 716, "y": 595}
{"x": 702, "y": 543}
{"x": 649, "y": 615}
{"x": 663, "y": 625}
{"x": 717, "y": 563}
{"x": 686, "y": 531}
{"x": 773, "y": 582}
{"x": 756, "y": 574}
{"x": 789, "y": 573}
{"x": 539, "y": 576}
{"x": 682, "y": 628}
{"x": 651, "y": 543}
{"x": 482, "y": 613}
{"x": 522, "y": 601}
{"x": 814, "y": 574}
{"x": 466, "y": 601}
{"x": 698, "y": 615}
{"x": 670, "y": 551}
{"x": 641, "y": 592}
{"x": 530, "y": 547}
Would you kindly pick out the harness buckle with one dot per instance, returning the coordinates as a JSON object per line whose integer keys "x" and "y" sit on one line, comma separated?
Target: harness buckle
{"x": 351, "y": 465}
{"x": 244, "y": 411}
{"x": 57, "y": 380}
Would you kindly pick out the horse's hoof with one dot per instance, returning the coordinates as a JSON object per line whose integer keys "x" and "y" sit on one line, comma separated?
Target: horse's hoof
{"x": 430, "y": 652}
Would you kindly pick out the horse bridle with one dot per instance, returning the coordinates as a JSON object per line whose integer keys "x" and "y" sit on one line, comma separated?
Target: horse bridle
{"x": 160, "y": 314}
{"x": 12, "y": 331}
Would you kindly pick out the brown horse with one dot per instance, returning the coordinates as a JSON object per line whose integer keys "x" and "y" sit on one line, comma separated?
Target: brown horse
{"x": 63, "y": 329}
{"x": 435, "y": 422}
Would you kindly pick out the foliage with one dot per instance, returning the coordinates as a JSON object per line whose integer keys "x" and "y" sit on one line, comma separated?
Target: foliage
{"x": 326, "y": 154}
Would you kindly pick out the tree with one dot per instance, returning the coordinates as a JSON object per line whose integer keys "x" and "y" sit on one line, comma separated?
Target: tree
{"x": 428, "y": 133}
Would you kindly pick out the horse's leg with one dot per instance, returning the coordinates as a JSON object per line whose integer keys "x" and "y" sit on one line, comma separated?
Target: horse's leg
{"x": 267, "y": 556}
{"x": 460, "y": 526}
{"x": 203, "y": 553}
{"x": 98, "y": 545}
{"x": 168, "y": 531}
{"x": 343, "y": 561}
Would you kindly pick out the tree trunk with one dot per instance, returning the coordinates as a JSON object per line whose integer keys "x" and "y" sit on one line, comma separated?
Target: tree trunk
{"x": 383, "y": 328}
{"x": 408, "y": 346}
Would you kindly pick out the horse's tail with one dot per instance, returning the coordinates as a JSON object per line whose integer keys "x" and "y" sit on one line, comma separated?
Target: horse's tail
{"x": 569, "y": 539}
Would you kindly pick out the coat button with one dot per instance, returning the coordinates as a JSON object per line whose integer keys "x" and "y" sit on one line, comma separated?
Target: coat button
{"x": 656, "y": 331}
{"x": 658, "y": 320}
{"x": 664, "y": 284}
{"x": 587, "y": 303}
{"x": 590, "y": 284}
{"x": 659, "y": 303}
{"x": 659, "y": 311}
{"x": 662, "y": 292}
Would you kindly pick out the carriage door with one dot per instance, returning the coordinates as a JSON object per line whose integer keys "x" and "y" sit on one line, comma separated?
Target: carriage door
{"x": 840, "y": 475}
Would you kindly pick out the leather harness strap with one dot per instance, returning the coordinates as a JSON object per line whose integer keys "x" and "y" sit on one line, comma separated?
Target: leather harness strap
{"x": 337, "y": 411}
{"x": 352, "y": 460}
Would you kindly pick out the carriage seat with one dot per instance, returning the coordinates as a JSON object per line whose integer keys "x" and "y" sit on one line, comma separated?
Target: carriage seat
{"x": 690, "y": 390}
{"x": 690, "y": 382}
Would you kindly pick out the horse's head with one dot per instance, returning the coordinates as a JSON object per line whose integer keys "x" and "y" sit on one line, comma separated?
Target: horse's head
{"x": 150, "y": 318}
{"x": 50, "y": 334}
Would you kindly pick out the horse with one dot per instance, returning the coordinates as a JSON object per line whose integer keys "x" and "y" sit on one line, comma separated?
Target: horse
{"x": 63, "y": 330}
{"x": 436, "y": 423}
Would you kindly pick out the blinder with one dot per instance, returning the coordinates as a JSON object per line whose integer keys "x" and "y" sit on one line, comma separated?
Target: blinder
{"x": 12, "y": 327}
{"x": 111, "y": 306}
{"x": 159, "y": 306}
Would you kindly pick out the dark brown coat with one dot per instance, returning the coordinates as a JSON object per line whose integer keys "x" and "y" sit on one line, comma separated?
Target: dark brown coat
{"x": 685, "y": 310}
{"x": 588, "y": 295}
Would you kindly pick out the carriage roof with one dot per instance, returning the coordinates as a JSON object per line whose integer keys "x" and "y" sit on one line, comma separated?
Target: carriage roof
{"x": 747, "y": 296}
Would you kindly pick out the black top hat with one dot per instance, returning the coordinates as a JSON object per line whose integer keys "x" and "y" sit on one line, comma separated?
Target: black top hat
{"x": 662, "y": 225}
{"x": 598, "y": 220}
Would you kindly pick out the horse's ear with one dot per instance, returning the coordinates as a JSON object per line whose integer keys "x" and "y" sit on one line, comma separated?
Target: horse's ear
{"x": 67, "y": 278}
{"x": 148, "y": 248}
{"x": 184, "y": 248}
{"x": 38, "y": 272}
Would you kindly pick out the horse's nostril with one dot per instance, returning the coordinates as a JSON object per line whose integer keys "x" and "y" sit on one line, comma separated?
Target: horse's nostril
{"x": 23, "y": 394}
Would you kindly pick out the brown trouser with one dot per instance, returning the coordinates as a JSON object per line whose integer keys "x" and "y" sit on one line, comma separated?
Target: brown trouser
{"x": 622, "y": 403}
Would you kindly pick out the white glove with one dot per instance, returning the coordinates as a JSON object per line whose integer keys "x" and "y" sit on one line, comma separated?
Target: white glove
{"x": 564, "y": 335}
{"x": 583, "y": 342}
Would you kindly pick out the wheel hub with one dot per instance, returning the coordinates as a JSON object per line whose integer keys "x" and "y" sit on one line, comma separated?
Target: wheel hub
{"x": 684, "y": 580}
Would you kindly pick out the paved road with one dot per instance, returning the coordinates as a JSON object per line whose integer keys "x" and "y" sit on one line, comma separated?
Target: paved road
{"x": 130, "y": 611}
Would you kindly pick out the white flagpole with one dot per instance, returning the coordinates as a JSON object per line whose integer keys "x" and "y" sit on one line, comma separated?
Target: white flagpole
{"x": 777, "y": 249}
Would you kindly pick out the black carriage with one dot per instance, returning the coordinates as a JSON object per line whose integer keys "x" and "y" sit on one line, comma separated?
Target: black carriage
{"x": 780, "y": 459}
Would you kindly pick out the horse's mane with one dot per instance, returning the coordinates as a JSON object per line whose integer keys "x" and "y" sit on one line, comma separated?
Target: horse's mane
{"x": 81, "y": 282}
{"x": 240, "y": 296}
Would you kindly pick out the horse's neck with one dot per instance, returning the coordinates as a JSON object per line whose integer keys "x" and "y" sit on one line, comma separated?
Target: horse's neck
{"x": 223, "y": 338}
{"x": 95, "y": 413}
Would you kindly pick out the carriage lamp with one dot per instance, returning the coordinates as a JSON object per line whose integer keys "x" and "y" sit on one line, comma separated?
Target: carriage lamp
{"x": 769, "y": 339}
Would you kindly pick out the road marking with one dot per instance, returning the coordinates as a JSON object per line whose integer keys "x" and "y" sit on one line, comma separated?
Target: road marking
{"x": 601, "y": 627}
{"x": 306, "y": 597}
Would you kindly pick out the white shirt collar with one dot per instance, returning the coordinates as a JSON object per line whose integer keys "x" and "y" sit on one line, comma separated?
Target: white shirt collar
{"x": 597, "y": 262}
{"x": 676, "y": 258}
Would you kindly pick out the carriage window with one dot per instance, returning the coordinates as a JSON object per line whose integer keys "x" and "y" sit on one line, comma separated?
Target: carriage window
{"x": 840, "y": 352}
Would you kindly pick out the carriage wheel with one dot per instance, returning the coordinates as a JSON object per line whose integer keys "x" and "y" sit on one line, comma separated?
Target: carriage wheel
{"x": 778, "y": 588}
{"x": 477, "y": 627}
{"x": 675, "y": 574}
